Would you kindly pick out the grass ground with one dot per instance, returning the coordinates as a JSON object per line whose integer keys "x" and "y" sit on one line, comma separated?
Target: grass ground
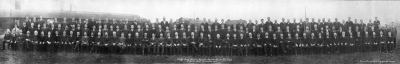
{"x": 19, "y": 57}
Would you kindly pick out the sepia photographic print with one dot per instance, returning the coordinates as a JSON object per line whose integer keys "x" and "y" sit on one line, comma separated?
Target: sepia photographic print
{"x": 199, "y": 31}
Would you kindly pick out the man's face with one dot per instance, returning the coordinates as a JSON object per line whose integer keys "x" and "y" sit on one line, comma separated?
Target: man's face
{"x": 176, "y": 34}
{"x": 343, "y": 34}
{"x": 98, "y": 34}
{"x": 28, "y": 33}
{"x": 250, "y": 35}
{"x": 335, "y": 34}
{"x": 227, "y": 36}
{"x": 312, "y": 35}
{"x": 279, "y": 28}
{"x": 71, "y": 32}
{"x": 349, "y": 28}
{"x": 145, "y": 35}
{"x": 270, "y": 27}
{"x": 287, "y": 28}
{"x": 32, "y": 24}
{"x": 49, "y": 34}
{"x": 184, "y": 34}
{"x": 168, "y": 35}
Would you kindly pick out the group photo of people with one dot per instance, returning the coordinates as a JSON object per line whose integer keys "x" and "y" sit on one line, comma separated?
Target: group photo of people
{"x": 195, "y": 37}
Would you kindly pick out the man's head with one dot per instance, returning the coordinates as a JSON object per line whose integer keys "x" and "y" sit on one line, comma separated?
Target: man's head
{"x": 218, "y": 36}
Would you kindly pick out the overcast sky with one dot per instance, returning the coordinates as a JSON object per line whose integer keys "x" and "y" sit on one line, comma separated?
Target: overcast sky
{"x": 386, "y": 11}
